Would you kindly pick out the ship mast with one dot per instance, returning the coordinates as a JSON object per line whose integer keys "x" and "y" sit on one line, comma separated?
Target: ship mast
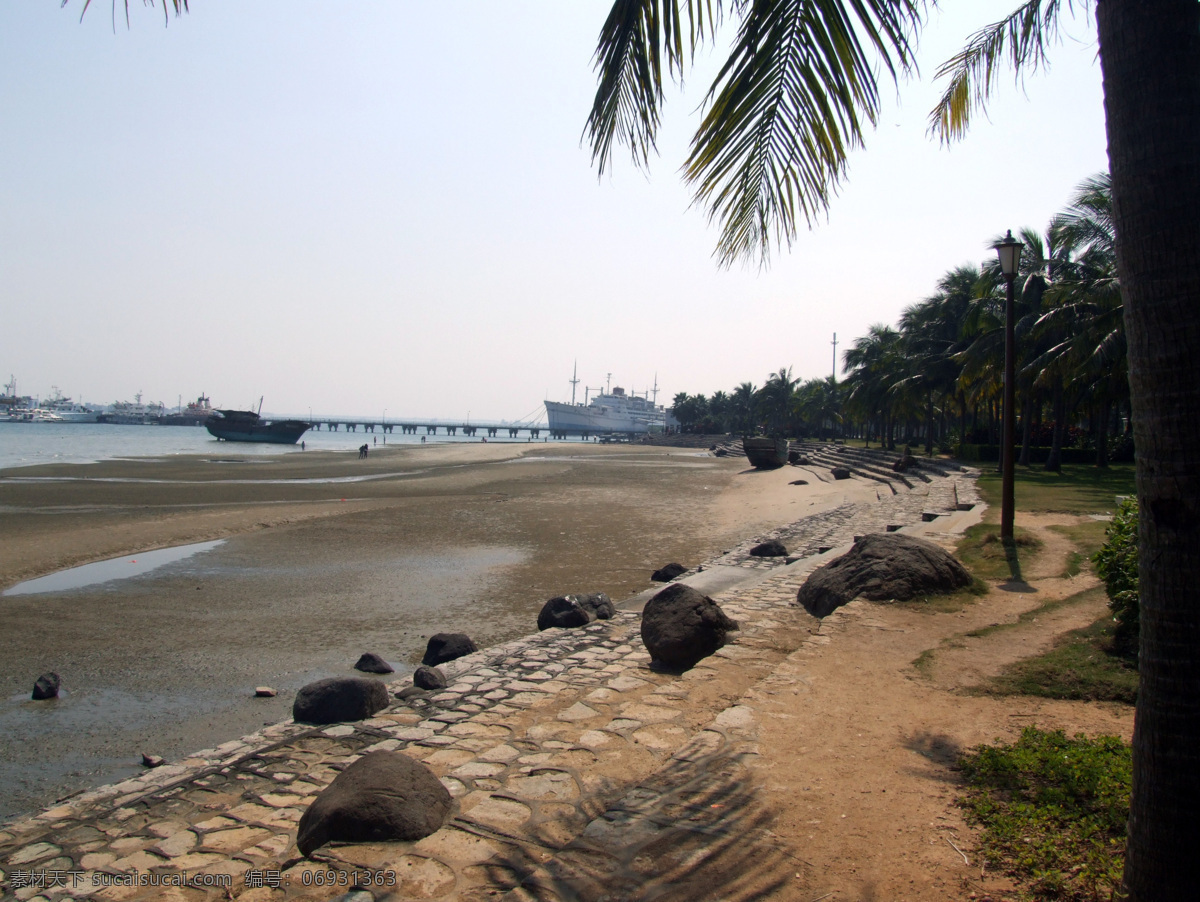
{"x": 574, "y": 381}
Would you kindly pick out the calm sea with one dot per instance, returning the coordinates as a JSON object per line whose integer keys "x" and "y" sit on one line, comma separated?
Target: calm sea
{"x": 29, "y": 444}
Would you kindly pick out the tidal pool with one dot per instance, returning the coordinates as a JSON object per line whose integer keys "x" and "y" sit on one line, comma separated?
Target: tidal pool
{"x": 107, "y": 571}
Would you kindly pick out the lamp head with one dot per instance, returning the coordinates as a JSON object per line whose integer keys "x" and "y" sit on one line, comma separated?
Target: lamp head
{"x": 1009, "y": 252}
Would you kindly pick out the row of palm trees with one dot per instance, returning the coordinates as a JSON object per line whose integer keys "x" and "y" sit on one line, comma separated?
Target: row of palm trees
{"x": 937, "y": 377}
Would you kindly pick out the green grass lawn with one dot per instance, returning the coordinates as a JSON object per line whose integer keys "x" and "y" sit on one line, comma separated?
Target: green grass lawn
{"x": 1078, "y": 489}
{"x": 1083, "y": 666}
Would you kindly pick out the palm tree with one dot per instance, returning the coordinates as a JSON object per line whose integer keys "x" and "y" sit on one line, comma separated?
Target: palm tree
{"x": 775, "y": 400}
{"x": 795, "y": 96}
{"x": 872, "y": 363}
{"x": 742, "y": 407}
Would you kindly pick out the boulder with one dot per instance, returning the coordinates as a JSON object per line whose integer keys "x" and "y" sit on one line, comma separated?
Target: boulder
{"x": 840, "y": 473}
{"x": 339, "y": 699}
{"x": 381, "y": 797}
{"x": 152, "y": 760}
{"x": 794, "y": 457}
{"x": 563, "y": 612}
{"x": 599, "y": 604}
{"x": 445, "y": 647}
{"x": 372, "y": 663}
{"x": 264, "y": 692}
{"x": 769, "y": 549}
{"x": 668, "y": 573}
{"x": 680, "y": 626}
{"x": 567, "y": 611}
{"x": 46, "y": 686}
{"x": 907, "y": 462}
{"x": 429, "y": 678}
{"x": 882, "y": 567}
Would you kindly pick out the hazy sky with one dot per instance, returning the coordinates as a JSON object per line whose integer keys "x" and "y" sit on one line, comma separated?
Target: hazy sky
{"x": 357, "y": 207}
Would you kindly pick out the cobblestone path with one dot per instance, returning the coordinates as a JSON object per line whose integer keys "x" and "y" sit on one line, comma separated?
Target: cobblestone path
{"x": 578, "y": 772}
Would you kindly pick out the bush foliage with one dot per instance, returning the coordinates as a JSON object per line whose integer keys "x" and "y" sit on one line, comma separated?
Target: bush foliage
{"x": 1117, "y": 564}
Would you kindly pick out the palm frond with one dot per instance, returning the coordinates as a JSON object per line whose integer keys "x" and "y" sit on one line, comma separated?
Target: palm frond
{"x": 180, "y": 6}
{"x": 1022, "y": 38}
{"x": 637, "y": 38}
{"x": 787, "y": 107}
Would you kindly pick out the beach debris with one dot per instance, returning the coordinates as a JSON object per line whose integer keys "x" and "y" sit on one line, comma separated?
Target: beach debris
{"x": 46, "y": 686}
{"x": 370, "y": 662}
{"x": 840, "y": 473}
{"x": 381, "y": 797}
{"x": 882, "y": 567}
{"x": 443, "y": 647}
{"x": 339, "y": 699}
{"x": 680, "y": 626}
{"x": 769, "y": 549}
{"x": 264, "y": 692}
{"x": 429, "y": 678}
{"x": 668, "y": 573}
{"x": 152, "y": 760}
{"x": 566, "y": 611}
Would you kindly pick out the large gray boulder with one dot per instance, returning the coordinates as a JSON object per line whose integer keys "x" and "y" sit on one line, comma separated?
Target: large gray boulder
{"x": 381, "y": 797}
{"x": 680, "y": 626}
{"x": 567, "y": 611}
{"x": 444, "y": 647}
{"x": 882, "y": 567}
{"x": 339, "y": 699}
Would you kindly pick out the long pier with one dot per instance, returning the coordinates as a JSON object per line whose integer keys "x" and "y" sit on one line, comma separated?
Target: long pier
{"x": 436, "y": 427}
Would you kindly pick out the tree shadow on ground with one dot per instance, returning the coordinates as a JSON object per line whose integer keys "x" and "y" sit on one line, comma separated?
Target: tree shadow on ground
{"x": 696, "y": 829}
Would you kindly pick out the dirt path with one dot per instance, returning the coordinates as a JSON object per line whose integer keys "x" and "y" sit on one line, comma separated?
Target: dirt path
{"x": 860, "y": 734}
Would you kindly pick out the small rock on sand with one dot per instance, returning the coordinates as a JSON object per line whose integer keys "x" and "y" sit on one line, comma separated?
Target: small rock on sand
{"x": 46, "y": 686}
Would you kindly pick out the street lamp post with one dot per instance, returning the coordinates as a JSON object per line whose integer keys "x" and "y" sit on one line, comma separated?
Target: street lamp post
{"x": 1009, "y": 252}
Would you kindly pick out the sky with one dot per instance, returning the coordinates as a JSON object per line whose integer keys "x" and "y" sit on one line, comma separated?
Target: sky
{"x": 387, "y": 208}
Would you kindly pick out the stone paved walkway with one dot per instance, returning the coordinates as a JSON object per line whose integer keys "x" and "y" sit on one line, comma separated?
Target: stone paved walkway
{"x": 578, "y": 771}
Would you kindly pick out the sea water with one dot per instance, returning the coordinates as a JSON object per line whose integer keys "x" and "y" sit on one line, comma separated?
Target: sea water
{"x": 30, "y": 444}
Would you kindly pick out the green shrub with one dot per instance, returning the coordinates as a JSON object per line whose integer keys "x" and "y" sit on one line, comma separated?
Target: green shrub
{"x": 1053, "y": 811}
{"x": 1117, "y": 564}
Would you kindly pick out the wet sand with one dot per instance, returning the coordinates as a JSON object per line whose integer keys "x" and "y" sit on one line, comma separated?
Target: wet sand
{"x": 326, "y": 556}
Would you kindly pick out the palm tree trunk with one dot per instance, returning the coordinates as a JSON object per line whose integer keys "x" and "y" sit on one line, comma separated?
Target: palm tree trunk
{"x": 1150, "y": 59}
{"x": 1054, "y": 460}
{"x": 1026, "y": 427}
{"x": 929, "y": 425}
{"x": 1102, "y": 418}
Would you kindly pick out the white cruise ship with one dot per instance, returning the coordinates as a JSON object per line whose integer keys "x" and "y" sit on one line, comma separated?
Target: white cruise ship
{"x": 609, "y": 411}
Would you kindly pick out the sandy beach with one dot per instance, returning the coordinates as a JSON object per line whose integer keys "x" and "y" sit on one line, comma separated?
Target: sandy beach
{"x": 324, "y": 557}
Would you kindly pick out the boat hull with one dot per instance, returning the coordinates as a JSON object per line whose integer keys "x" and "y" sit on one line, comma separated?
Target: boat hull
{"x": 766, "y": 453}
{"x": 245, "y": 426}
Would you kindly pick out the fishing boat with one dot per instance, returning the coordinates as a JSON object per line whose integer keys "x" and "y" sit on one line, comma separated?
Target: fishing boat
{"x": 195, "y": 414}
{"x": 133, "y": 413}
{"x": 766, "y": 453}
{"x": 249, "y": 426}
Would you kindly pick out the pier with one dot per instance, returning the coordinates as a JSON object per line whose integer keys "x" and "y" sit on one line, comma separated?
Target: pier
{"x": 449, "y": 427}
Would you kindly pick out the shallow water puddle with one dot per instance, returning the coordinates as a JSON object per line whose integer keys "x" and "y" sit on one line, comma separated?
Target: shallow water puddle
{"x": 107, "y": 571}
